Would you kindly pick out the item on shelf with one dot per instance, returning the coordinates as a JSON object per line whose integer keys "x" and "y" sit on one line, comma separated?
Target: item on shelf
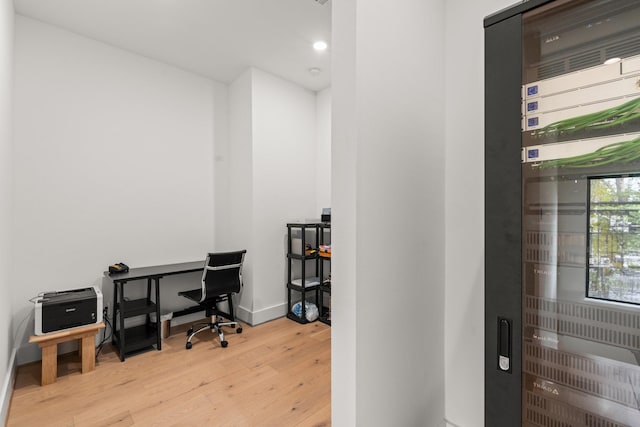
{"x": 165, "y": 322}
{"x": 310, "y": 308}
{"x": 120, "y": 267}
{"x": 326, "y": 215}
{"x": 324, "y": 251}
{"x": 308, "y": 250}
{"x": 327, "y": 281}
{"x": 308, "y": 282}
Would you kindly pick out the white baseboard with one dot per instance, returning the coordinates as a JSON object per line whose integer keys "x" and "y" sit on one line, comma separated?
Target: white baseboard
{"x": 188, "y": 318}
{"x": 7, "y": 387}
{"x": 247, "y": 316}
{"x": 254, "y": 318}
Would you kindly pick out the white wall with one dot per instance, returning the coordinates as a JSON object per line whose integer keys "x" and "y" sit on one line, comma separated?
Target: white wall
{"x": 221, "y": 147}
{"x": 6, "y": 203}
{"x": 323, "y": 150}
{"x": 343, "y": 215}
{"x": 464, "y": 181}
{"x": 272, "y": 180}
{"x": 113, "y": 162}
{"x": 396, "y": 147}
{"x": 284, "y": 177}
{"x": 240, "y": 198}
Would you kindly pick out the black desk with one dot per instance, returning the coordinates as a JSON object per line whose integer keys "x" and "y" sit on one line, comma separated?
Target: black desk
{"x": 140, "y": 337}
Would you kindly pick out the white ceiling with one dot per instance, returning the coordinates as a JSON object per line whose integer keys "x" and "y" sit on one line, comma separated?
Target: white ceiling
{"x": 214, "y": 38}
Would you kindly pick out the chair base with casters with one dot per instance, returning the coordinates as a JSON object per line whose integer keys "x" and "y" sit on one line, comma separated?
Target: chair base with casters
{"x": 215, "y": 315}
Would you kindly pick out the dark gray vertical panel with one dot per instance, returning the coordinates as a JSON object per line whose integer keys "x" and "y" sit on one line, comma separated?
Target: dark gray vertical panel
{"x": 503, "y": 204}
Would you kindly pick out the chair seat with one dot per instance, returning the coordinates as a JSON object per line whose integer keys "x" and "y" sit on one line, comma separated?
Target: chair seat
{"x": 194, "y": 294}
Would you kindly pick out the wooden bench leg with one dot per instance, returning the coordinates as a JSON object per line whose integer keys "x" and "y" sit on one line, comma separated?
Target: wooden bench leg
{"x": 49, "y": 364}
{"x": 88, "y": 353}
{"x": 86, "y": 339}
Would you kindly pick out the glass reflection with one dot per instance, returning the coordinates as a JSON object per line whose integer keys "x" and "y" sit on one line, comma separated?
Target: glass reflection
{"x": 614, "y": 239}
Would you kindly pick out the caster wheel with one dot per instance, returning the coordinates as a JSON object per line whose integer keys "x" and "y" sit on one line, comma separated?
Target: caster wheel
{"x": 224, "y": 344}
{"x": 239, "y": 330}
{"x": 188, "y": 346}
{"x": 190, "y": 331}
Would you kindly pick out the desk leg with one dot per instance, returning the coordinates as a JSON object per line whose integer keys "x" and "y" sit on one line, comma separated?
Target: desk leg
{"x": 148, "y": 319}
{"x": 113, "y": 310}
{"x": 49, "y": 364}
{"x": 158, "y": 323}
{"x": 88, "y": 353}
{"x": 122, "y": 344}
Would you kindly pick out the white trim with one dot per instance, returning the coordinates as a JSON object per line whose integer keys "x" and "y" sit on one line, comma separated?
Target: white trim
{"x": 189, "y": 318}
{"x": 7, "y": 387}
{"x": 254, "y": 318}
{"x": 243, "y": 314}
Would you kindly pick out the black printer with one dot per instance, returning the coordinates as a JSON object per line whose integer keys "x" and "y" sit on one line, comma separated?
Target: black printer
{"x": 59, "y": 310}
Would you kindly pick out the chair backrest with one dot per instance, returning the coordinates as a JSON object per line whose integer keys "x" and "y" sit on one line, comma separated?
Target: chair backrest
{"x": 222, "y": 274}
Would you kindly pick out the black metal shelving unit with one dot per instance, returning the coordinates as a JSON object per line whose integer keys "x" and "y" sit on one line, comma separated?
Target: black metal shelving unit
{"x": 325, "y": 275}
{"x": 297, "y": 254}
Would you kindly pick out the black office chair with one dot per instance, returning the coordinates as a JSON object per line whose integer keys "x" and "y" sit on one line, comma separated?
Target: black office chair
{"x": 221, "y": 278}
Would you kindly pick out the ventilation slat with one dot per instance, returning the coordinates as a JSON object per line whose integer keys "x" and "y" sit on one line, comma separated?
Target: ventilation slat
{"x": 545, "y": 412}
{"x": 623, "y": 50}
{"x": 585, "y": 60}
{"x": 551, "y": 70}
{"x": 630, "y": 46}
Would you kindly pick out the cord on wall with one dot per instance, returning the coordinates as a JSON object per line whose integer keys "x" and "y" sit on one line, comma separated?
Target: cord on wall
{"x": 19, "y": 331}
{"x": 105, "y": 337}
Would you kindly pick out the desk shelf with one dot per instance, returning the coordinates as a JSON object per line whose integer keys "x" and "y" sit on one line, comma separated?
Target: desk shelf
{"x": 133, "y": 339}
{"x": 136, "y": 338}
{"x": 137, "y": 307}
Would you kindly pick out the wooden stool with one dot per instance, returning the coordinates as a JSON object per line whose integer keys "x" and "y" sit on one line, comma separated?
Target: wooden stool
{"x": 49, "y": 345}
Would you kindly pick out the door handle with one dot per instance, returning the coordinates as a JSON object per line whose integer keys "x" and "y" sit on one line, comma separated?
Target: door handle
{"x": 504, "y": 344}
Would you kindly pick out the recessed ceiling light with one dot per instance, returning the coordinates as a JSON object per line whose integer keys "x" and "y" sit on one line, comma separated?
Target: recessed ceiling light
{"x": 320, "y": 45}
{"x": 314, "y": 71}
{"x": 612, "y": 61}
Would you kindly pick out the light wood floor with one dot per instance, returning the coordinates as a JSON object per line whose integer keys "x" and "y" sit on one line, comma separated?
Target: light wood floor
{"x": 274, "y": 374}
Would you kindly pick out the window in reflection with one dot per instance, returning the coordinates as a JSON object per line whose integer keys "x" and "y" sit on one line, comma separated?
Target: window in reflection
{"x": 614, "y": 239}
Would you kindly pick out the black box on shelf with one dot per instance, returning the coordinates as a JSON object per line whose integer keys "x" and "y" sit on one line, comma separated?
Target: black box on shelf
{"x": 326, "y": 215}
